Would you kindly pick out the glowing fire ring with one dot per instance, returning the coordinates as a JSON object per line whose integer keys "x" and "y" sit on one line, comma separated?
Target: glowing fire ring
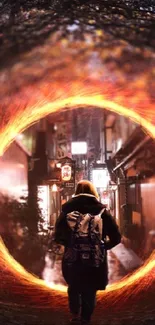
{"x": 33, "y": 113}
{"x": 8, "y": 134}
{"x": 21, "y": 109}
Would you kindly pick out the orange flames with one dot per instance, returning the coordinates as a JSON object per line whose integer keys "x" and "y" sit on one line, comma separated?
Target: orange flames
{"x": 24, "y": 288}
{"x": 10, "y": 265}
{"x": 42, "y": 107}
{"x": 46, "y": 81}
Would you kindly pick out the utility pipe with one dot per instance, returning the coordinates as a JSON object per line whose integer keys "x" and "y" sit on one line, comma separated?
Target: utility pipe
{"x": 135, "y": 151}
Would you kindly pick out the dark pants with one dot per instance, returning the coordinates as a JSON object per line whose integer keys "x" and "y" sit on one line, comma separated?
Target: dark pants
{"x": 83, "y": 300}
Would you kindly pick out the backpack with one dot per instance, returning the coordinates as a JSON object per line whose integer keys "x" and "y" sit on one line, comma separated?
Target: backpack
{"x": 86, "y": 247}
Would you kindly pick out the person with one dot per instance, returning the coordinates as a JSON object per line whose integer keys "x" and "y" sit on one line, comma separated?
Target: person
{"x": 83, "y": 282}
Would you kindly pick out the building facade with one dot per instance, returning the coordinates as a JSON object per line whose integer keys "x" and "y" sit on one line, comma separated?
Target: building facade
{"x": 132, "y": 168}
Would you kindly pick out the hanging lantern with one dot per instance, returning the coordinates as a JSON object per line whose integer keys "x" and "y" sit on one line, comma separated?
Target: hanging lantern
{"x": 66, "y": 173}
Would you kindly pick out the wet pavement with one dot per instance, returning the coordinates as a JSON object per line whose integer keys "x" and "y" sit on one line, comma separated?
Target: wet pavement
{"x": 52, "y": 271}
{"x": 121, "y": 261}
{"x": 111, "y": 309}
{"x": 115, "y": 269}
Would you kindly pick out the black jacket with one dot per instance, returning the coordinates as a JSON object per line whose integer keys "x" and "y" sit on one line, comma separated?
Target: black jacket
{"x": 94, "y": 277}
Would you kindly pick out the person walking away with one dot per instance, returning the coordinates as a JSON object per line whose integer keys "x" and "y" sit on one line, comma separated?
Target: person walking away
{"x": 83, "y": 278}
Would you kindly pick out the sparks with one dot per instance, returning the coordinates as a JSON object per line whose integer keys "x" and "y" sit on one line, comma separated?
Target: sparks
{"x": 10, "y": 267}
{"x": 33, "y": 113}
{"x": 101, "y": 73}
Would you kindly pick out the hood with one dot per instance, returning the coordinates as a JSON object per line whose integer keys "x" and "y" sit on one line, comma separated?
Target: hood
{"x": 84, "y": 203}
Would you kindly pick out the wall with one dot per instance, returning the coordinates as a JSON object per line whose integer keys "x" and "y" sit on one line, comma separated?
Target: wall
{"x": 148, "y": 203}
{"x": 13, "y": 171}
{"x": 122, "y": 130}
{"x": 27, "y": 139}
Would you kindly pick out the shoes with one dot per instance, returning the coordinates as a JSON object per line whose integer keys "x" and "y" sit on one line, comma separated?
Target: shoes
{"x": 75, "y": 321}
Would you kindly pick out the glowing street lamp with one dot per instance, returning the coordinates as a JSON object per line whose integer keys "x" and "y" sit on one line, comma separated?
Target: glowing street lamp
{"x": 58, "y": 165}
{"x": 54, "y": 188}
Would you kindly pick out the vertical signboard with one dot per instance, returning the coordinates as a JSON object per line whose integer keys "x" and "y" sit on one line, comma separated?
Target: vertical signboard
{"x": 63, "y": 139}
{"x": 68, "y": 174}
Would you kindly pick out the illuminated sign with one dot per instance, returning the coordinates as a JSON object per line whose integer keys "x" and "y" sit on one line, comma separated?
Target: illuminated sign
{"x": 100, "y": 178}
{"x": 79, "y": 148}
{"x": 66, "y": 173}
{"x": 105, "y": 198}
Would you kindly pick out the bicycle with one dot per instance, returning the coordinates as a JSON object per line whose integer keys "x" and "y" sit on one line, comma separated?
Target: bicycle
{"x": 54, "y": 249}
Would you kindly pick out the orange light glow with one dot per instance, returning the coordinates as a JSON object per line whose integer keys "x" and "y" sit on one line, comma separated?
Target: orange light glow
{"x": 32, "y": 114}
{"x": 66, "y": 173}
{"x": 21, "y": 121}
{"x": 140, "y": 279}
{"x": 45, "y": 81}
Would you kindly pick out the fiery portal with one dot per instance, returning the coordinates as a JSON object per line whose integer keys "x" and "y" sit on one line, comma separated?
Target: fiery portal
{"x": 34, "y": 101}
{"x": 89, "y": 66}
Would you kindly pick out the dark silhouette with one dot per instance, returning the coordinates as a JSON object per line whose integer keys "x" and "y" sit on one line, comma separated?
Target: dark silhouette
{"x": 84, "y": 281}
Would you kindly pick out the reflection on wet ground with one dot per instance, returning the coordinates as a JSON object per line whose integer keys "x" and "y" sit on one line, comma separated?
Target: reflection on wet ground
{"x": 116, "y": 270}
{"x": 52, "y": 273}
